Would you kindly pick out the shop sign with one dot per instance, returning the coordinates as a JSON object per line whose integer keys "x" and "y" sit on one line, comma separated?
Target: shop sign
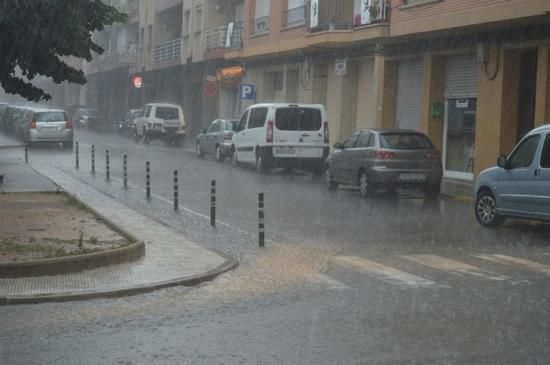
{"x": 341, "y": 67}
{"x": 137, "y": 81}
{"x": 210, "y": 89}
{"x": 462, "y": 103}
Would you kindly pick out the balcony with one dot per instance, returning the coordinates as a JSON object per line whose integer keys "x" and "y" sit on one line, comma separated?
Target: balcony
{"x": 294, "y": 17}
{"x": 331, "y": 15}
{"x": 259, "y": 25}
{"x": 167, "y": 51}
{"x": 216, "y": 41}
{"x": 118, "y": 57}
{"x": 161, "y": 5}
{"x": 377, "y": 13}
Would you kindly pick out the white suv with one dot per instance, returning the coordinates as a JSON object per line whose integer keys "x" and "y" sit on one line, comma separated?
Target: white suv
{"x": 282, "y": 135}
{"x": 161, "y": 121}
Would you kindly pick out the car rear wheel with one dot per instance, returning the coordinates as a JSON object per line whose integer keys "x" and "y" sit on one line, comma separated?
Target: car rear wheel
{"x": 198, "y": 150}
{"x": 234, "y": 157}
{"x": 486, "y": 210}
{"x": 330, "y": 184}
{"x": 220, "y": 157}
{"x": 260, "y": 164}
{"x": 366, "y": 188}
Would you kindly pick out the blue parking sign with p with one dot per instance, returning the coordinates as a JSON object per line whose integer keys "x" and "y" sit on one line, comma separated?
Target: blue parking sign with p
{"x": 246, "y": 91}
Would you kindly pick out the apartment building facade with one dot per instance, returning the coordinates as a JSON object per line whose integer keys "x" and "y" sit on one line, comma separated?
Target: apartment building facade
{"x": 472, "y": 74}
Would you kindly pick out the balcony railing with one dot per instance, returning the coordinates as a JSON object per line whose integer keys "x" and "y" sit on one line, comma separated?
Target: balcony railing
{"x": 331, "y": 15}
{"x": 161, "y": 5}
{"x": 294, "y": 17}
{"x": 377, "y": 12}
{"x": 166, "y": 51}
{"x": 259, "y": 25}
{"x": 216, "y": 38}
{"x": 122, "y": 55}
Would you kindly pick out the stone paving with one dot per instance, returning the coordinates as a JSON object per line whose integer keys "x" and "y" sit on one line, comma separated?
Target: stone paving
{"x": 170, "y": 258}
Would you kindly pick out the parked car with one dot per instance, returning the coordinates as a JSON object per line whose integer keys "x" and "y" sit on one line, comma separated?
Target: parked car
{"x": 385, "y": 158}
{"x": 161, "y": 121}
{"x": 3, "y": 107}
{"x": 519, "y": 186}
{"x": 86, "y": 118}
{"x": 128, "y": 126}
{"x": 48, "y": 125}
{"x": 216, "y": 139}
{"x": 282, "y": 135}
{"x": 10, "y": 116}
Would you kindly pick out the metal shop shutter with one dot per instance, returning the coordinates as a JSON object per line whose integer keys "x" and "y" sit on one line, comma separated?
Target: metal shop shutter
{"x": 409, "y": 94}
{"x": 461, "y": 77}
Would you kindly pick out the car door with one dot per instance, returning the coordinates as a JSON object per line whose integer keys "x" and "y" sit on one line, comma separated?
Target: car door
{"x": 210, "y": 136}
{"x": 361, "y": 154}
{"x": 240, "y": 134}
{"x": 542, "y": 181}
{"x": 516, "y": 186}
{"x": 341, "y": 160}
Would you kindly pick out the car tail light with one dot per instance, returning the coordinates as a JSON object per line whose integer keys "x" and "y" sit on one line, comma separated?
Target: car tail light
{"x": 32, "y": 124}
{"x": 269, "y": 137}
{"x": 325, "y": 127}
{"x": 228, "y": 136}
{"x": 384, "y": 155}
{"x": 69, "y": 124}
{"x": 433, "y": 155}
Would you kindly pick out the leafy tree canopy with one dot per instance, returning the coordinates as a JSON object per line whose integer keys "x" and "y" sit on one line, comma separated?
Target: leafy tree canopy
{"x": 35, "y": 34}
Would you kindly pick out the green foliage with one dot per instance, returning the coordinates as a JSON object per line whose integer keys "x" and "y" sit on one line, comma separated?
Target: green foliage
{"x": 35, "y": 34}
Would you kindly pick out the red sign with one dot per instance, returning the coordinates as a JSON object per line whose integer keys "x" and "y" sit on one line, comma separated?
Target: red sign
{"x": 210, "y": 88}
{"x": 137, "y": 81}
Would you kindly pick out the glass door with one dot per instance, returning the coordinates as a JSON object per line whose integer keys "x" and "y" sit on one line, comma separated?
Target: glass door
{"x": 459, "y": 138}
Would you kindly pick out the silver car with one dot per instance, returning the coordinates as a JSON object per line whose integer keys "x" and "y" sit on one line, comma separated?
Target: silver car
{"x": 216, "y": 139}
{"x": 48, "y": 125}
{"x": 385, "y": 158}
{"x": 519, "y": 186}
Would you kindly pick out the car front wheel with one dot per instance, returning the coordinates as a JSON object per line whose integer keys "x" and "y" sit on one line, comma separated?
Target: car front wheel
{"x": 198, "y": 150}
{"x": 486, "y": 210}
{"x": 330, "y": 184}
{"x": 220, "y": 157}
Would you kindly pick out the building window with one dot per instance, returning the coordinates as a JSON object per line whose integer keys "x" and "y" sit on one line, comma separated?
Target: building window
{"x": 141, "y": 38}
{"x": 187, "y": 23}
{"x": 198, "y": 19}
{"x": 260, "y": 23}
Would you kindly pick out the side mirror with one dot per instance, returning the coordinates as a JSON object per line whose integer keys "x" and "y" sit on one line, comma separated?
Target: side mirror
{"x": 502, "y": 162}
{"x": 338, "y": 146}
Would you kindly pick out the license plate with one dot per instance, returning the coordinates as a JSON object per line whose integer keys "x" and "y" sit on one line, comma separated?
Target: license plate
{"x": 157, "y": 127}
{"x": 286, "y": 150}
{"x": 49, "y": 129}
{"x": 412, "y": 177}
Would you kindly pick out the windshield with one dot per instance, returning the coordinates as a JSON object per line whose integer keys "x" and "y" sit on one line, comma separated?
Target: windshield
{"x": 298, "y": 119}
{"x": 50, "y": 116}
{"x": 166, "y": 113}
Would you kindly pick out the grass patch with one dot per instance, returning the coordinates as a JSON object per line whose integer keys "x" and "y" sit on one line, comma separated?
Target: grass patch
{"x": 73, "y": 201}
{"x": 9, "y": 248}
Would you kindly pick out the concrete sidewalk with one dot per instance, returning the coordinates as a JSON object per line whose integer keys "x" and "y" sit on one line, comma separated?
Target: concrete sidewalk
{"x": 9, "y": 142}
{"x": 170, "y": 258}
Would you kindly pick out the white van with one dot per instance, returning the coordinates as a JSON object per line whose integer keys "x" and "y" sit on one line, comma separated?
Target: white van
{"x": 282, "y": 135}
{"x": 161, "y": 121}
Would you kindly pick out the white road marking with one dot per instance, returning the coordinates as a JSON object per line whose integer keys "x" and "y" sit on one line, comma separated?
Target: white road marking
{"x": 381, "y": 272}
{"x": 329, "y": 282}
{"x": 452, "y": 266}
{"x": 516, "y": 261}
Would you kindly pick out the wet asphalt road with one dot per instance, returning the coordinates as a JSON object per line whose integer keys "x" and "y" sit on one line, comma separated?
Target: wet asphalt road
{"x": 342, "y": 280}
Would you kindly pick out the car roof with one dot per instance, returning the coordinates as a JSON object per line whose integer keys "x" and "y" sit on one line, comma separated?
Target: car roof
{"x": 392, "y": 130}
{"x": 542, "y": 128}
{"x": 286, "y": 105}
{"x": 165, "y": 104}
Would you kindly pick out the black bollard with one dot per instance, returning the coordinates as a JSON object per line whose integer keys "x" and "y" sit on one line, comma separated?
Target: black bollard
{"x": 261, "y": 226}
{"x": 125, "y": 171}
{"x": 77, "y": 163}
{"x": 107, "y": 166}
{"x": 213, "y": 203}
{"x": 148, "y": 179}
{"x": 26, "y": 154}
{"x": 93, "y": 160}
{"x": 176, "y": 192}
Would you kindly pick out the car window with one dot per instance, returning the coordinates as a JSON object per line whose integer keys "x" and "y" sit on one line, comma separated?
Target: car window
{"x": 50, "y": 117}
{"x": 365, "y": 140}
{"x": 405, "y": 141}
{"x": 242, "y": 123}
{"x": 147, "y": 112}
{"x": 298, "y": 119}
{"x": 211, "y": 127}
{"x": 166, "y": 113}
{"x": 545, "y": 156}
{"x": 525, "y": 153}
{"x": 257, "y": 118}
{"x": 350, "y": 142}
{"x": 229, "y": 125}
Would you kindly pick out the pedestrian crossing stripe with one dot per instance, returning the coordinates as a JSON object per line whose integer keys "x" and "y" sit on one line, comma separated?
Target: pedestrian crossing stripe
{"x": 453, "y": 266}
{"x": 516, "y": 261}
{"x": 381, "y": 272}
